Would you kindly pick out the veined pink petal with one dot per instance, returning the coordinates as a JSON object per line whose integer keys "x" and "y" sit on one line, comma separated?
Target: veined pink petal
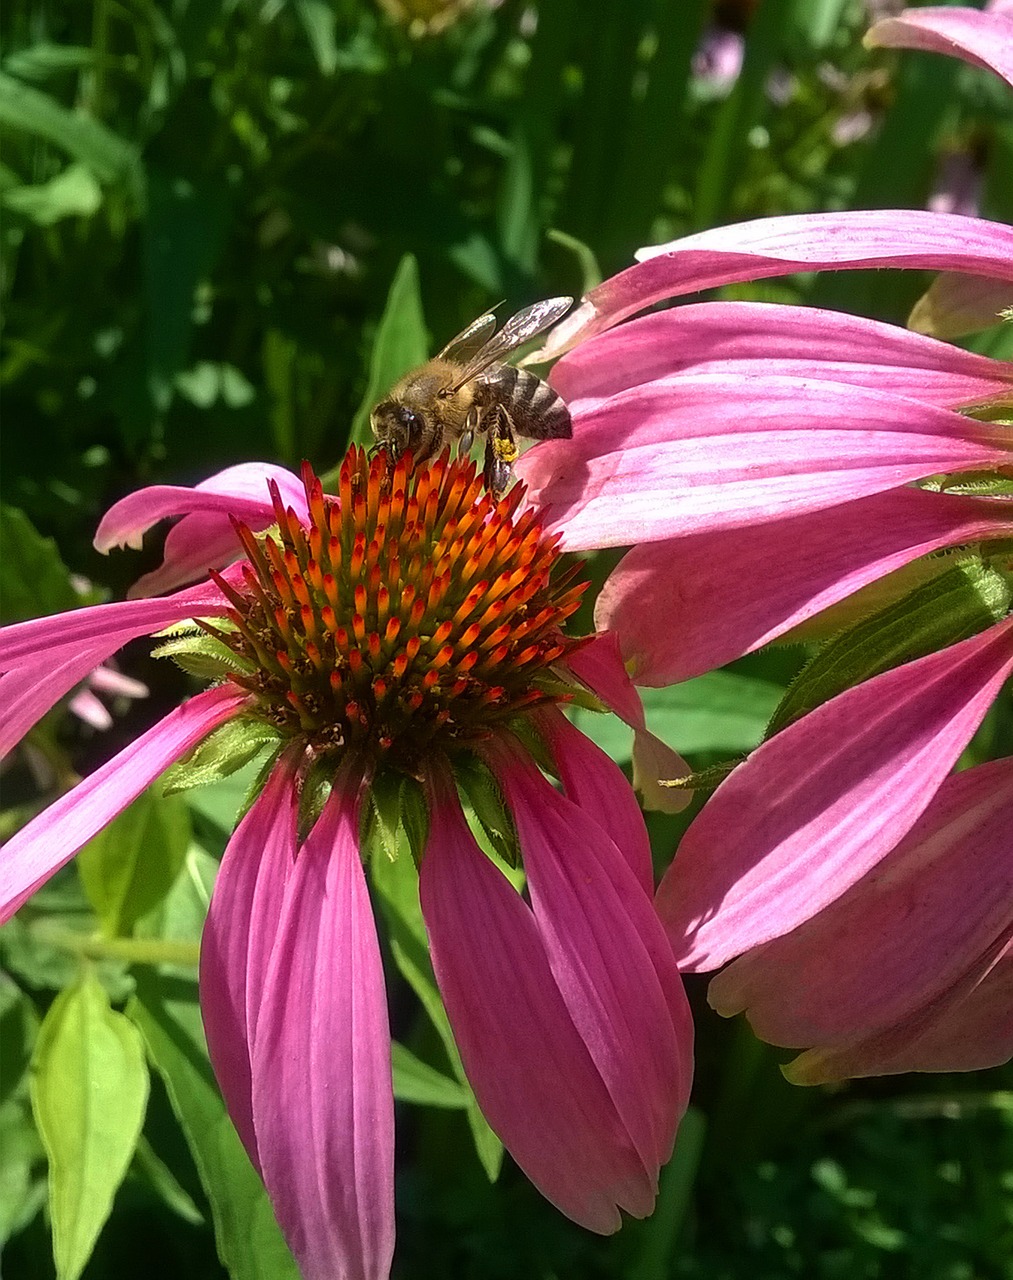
{"x": 905, "y": 933}
{"x": 599, "y": 665}
{"x": 529, "y": 1068}
{"x": 736, "y": 338}
{"x": 697, "y": 453}
{"x": 907, "y": 238}
{"x": 984, "y": 39}
{"x": 608, "y": 955}
{"x": 967, "y": 1029}
{"x": 955, "y": 304}
{"x": 28, "y": 692}
{"x": 818, "y": 805}
{"x": 323, "y": 1104}
{"x": 240, "y": 931}
{"x": 973, "y": 1033}
{"x": 595, "y": 783}
{"x": 660, "y": 600}
{"x": 39, "y": 849}
{"x": 113, "y": 624}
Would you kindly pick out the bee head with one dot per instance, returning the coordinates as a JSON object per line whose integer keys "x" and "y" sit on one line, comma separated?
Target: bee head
{"x": 399, "y": 428}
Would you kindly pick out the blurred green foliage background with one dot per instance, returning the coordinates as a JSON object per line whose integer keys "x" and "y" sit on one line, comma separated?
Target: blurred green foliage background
{"x": 226, "y": 225}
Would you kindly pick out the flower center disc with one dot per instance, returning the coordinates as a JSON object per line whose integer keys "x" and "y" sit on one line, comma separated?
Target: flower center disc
{"x": 412, "y": 611}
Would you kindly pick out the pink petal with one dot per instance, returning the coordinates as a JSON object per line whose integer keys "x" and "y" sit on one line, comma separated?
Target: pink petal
{"x": 608, "y": 955}
{"x": 113, "y": 624}
{"x": 529, "y": 1068}
{"x": 241, "y": 491}
{"x": 766, "y": 247}
{"x": 983, "y": 39}
{"x": 204, "y": 538}
{"x": 967, "y": 1030}
{"x": 599, "y": 665}
{"x": 905, "y": 933}
{"x": 697, "y": 453}
{"x": 43, "y": 846}
{"x": 323, "y": 1104}
{"x": 116, "y": 684}
{"x": 758, "y": 337}
{"x": 28, "y": 692}
{"x": 241, "y": 928}
{"x": 955, "y": 304}
{"x": 660, "y": 600}
{"x": 818, "y": 805}
{"x": 594, "y": 782}
{"x": 87, "y": 707}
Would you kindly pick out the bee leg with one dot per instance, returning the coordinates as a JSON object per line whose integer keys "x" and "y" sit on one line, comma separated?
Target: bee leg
{"x": 464, "y": 443}
{"x": 500, "y": 455}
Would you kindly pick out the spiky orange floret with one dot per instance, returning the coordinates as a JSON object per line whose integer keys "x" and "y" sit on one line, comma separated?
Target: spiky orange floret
{"x": 414, "y": 610}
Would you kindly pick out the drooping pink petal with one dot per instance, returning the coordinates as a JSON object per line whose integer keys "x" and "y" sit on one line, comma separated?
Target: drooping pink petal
{"x": 39, "y": 849}
{"x": 323, "y": 1103}
{"x": 531, "y": 1071}
{"x": 595, "y": 783}
{"x": 774, "y": 339}
{"x": 608, "y": 955}
{"x": 819, "y": 804}
{"x": 599, "y": 665}
{"x": 766, "y": 247}
{"x": 204, "y": 538}
{"x": 955, "y": 305}
{"x": 673, "y": 623}
{"x": 905, "y": 933}
{"x": 983, "y": 39}
{"x": 28, "y": 692}
{"x": 238, "y": 937}
{"x": 698, "y": 452}
{"x": 969, "y": 1028}
{"x": 112, "y": 624}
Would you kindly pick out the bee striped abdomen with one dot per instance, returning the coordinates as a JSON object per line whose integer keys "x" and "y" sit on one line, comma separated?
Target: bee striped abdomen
{"x": 535, "y": 410}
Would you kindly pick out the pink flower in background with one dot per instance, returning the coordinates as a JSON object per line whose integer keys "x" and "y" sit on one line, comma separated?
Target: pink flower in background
{"x": 850, "y": 814}
{"x": 385, "y": 634}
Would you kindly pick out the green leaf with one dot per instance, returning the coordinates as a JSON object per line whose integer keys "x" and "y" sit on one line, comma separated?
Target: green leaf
{"x": 249, "y": 1242}
{"x": 39, "y": 61}
{"x": 416, "y": 1081}
{"x": 319, "y": 21}
{"x": 149, "y": 1166}
{"x": 720, "y": 711}
{"x": 950, "y": 607}
{"x": 109, "y": 157}
{"x": 225, "y": 751}
{"x": 89, "y": 1092}
{"x": 128, "y": 868}
{"x": 22, "y": 1182}
{"x": 73, "y": 193}
{"x": 397, "y": 887}
{"x": 401, "y": 343}
{"x": 33, "y": 578}
{"x": 183, "y": 232}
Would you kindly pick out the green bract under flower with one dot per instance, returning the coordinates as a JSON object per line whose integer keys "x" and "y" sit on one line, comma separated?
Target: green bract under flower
{"x": 414, "y": 612}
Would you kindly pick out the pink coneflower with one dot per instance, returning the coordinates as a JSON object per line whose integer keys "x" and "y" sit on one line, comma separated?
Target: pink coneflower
{"x": 383, "y": 637}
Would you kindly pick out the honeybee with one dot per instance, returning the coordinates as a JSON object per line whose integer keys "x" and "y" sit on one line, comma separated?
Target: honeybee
{"x": 467, "y": 391}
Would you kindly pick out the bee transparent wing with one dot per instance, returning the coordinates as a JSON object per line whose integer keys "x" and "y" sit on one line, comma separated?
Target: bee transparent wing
{"x": 517, "y": 330}
{"x": 470, "y": 340}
